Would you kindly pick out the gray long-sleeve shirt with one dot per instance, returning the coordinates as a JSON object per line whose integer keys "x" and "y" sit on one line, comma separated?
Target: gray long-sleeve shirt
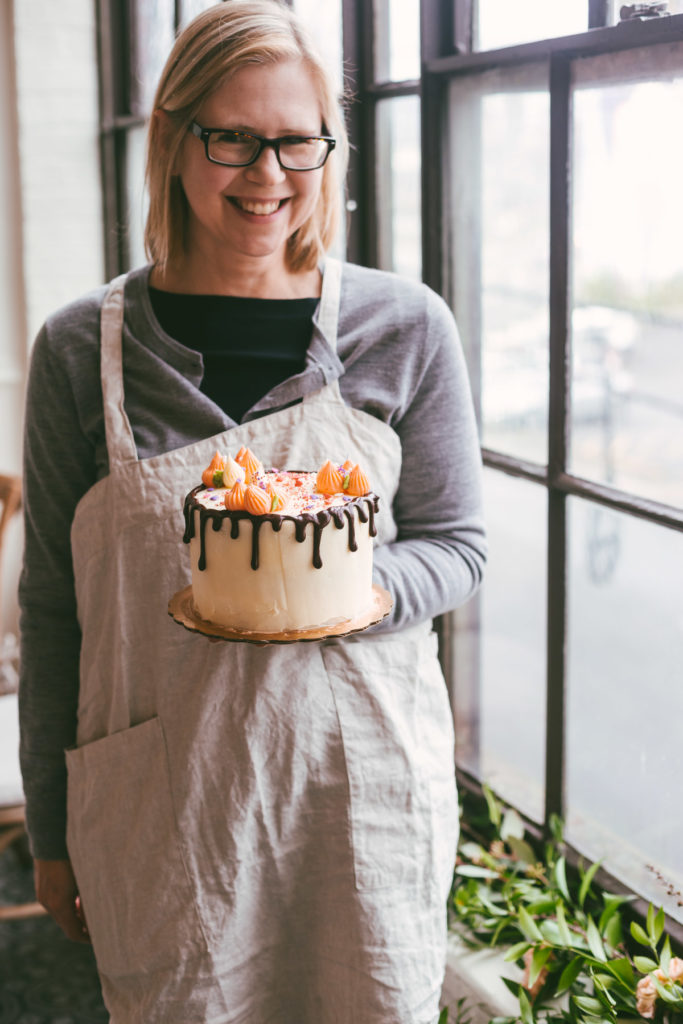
{"x": 398, "y": 358}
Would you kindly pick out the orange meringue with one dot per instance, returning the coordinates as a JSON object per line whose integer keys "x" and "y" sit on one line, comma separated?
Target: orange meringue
{"x": 251, "y": 465}
{"x": 277, "y": 498}
{"x": 210, "y": 476}
{"x": 329, "y": 479}
{"x": 234, "y": 498}
{"x": 358, "y": 483}
{"x": 257, "y": 500}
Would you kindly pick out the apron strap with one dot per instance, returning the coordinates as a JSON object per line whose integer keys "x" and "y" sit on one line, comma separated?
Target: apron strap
{"x": 328, "y": 321}
{"x": 328, "y": 316}
{"x": 121, "y": 445}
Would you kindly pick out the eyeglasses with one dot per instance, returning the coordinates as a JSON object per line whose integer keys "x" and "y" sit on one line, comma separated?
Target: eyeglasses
{"x": 240, "y": 149}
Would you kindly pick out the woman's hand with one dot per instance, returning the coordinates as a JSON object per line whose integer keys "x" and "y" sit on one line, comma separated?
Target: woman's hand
{"x": 57, "y": 891}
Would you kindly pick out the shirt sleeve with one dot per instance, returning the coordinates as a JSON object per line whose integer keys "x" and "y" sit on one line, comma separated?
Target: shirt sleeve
{"x": 59, "y": 467}
{"x": 437, "y": 560}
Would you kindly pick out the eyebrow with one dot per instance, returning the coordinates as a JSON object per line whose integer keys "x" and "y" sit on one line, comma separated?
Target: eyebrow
{"x": 305, "y": 133}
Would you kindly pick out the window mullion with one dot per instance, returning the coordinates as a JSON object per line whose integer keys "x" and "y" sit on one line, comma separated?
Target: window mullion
{"x": 361, "y": 228}
{"x": 560, "y": 158}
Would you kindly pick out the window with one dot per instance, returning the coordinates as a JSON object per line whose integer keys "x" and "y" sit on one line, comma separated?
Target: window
{"x": 134, "y": 41}
{"x": 547, "y": 151}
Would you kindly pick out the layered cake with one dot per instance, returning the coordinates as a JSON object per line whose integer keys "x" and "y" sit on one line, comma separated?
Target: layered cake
{"x": 275, "y": 551}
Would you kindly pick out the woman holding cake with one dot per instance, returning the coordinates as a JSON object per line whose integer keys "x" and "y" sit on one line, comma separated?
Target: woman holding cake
{"x": 253, "y": 834}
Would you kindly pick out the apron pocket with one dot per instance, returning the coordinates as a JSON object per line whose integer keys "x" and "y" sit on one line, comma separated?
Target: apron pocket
{"x": 126, "y": 853}
{"x": 377, "y": 690}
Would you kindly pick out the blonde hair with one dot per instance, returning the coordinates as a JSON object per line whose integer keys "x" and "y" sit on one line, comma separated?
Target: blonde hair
{"x": 210, "y": 49}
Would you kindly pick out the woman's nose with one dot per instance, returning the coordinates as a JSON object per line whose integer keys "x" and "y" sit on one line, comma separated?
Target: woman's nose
{"x": 267, "y": 168}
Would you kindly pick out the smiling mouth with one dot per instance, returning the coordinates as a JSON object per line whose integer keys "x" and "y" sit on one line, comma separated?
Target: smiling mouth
{"x": 262, "y": 208}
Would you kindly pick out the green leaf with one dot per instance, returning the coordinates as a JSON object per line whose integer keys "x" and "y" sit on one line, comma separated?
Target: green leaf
{"x": 528, "y": 926}
{"x": 514, "y": 986}
{"x": 650, "y": 922}
{"x": 473, "y": 851}
{"x": 538, "y": 962}
{"x": 604, "y": 982}
{"x": 541, "y": 906}
{"x": 586, "y": 881}
{"x": 639, "y": 934}
{"x": 475, "y": 871}
{"x": 664, "y": 992}
{"x": 613, "y": 934}
{"x": 550, "y": 932}
{"x": 645, "y": 964}
{"x": 612, "y": 904}
{"x": 496, "y": 911}
{"x": 665, "y": 955}
{"x": 443, "y": 1016}
{"x": 589, "y": 1004}
{"x": 622, "y": 970}
{"x": 494, "y": 807}
{"x": 658, "y": 926}
{"x": 521, "y": 850}
{"x": 565, "y": 934}
{"x": 525, "y": 1008}
{"x": 512, "y": 826}
{"x": 556, "y": 828}
{"x": 561, "y": 878}
{"x": 516, "y": 951}
{"x": 594, "y": 940}
{"x": 570, "y": 974}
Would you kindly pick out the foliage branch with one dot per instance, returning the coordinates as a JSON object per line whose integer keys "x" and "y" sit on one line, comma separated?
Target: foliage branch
{"x": 566, "y": 934}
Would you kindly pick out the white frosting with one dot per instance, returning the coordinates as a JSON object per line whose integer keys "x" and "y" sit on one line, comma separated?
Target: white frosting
{"x": 286, "y": 592}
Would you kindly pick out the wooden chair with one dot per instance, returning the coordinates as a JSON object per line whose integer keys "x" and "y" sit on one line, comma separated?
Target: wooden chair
{"x": 12, "y": 820}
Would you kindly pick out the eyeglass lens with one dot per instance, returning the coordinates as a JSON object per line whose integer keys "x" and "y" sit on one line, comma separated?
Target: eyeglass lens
{"x": 238, "y": 149}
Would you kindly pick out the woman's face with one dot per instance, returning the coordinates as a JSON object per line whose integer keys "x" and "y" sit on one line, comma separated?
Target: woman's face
{"x": 252, "y": 211}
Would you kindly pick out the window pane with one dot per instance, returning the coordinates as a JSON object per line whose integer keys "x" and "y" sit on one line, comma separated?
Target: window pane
{"x": 397, "y": 40}
{"x": 499, "y": 693}
{"x": 502, "y": 23}
{"x": 627, "y": 386}
{"x": 136, "y": 196}
{"x": 499, "y": 234}
{"x": 189, "y": 9}
{"x": 398, "y": 189}
{"x": 152, "y": 38}
{"x": 624, "y": 701}
{"x": 324, "y": 22}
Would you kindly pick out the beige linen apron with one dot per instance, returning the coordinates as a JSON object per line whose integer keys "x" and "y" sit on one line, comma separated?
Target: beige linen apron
{"x": 262, "y": 835}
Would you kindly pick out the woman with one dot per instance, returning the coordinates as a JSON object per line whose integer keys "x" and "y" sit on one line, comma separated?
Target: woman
{"x": 256, "y": 834}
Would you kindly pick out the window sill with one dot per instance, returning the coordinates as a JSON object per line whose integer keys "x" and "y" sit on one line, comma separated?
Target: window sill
{"x": 475, "y": 976}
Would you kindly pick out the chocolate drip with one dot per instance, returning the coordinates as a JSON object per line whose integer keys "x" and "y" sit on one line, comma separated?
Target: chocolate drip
{"x": 255, "y": 530}
{"x": 366, "y": 505}
{"x": 317, "y": 534}
{"x": 353, "y": 543}
{"x": 216, "y": 524}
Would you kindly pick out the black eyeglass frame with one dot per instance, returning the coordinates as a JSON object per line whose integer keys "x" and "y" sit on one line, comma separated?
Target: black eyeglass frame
{"x": 205, "y": 135}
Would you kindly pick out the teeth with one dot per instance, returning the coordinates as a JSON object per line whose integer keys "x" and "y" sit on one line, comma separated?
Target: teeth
{"x": 261, "y": 209}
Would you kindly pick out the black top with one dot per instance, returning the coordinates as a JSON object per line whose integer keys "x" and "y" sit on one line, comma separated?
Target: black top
{"x": 248, "y": 345}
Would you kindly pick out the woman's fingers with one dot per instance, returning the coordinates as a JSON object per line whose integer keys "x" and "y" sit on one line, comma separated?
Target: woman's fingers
{"x": 56, "y": 890}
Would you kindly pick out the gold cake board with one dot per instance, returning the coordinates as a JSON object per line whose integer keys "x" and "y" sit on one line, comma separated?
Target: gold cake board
{"x": 181, "y": 609}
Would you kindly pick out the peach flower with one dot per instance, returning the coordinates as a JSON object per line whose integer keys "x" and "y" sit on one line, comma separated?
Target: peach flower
{"x": 646, "y": 994}
{"x": 675, "y": 971}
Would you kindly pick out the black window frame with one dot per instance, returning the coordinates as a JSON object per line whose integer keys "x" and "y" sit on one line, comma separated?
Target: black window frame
{"x": 447, "y": 54}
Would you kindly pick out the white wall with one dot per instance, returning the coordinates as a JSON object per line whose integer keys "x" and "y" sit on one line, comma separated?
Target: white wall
{"x": 57, "y": 91}
{"x": 51, "y": 247}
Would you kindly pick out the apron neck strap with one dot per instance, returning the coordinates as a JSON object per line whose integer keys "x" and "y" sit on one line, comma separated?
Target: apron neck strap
{"x": 121, "y": 445}
{"x": 328, "y": 313}
{"x": 327, "y": 323}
